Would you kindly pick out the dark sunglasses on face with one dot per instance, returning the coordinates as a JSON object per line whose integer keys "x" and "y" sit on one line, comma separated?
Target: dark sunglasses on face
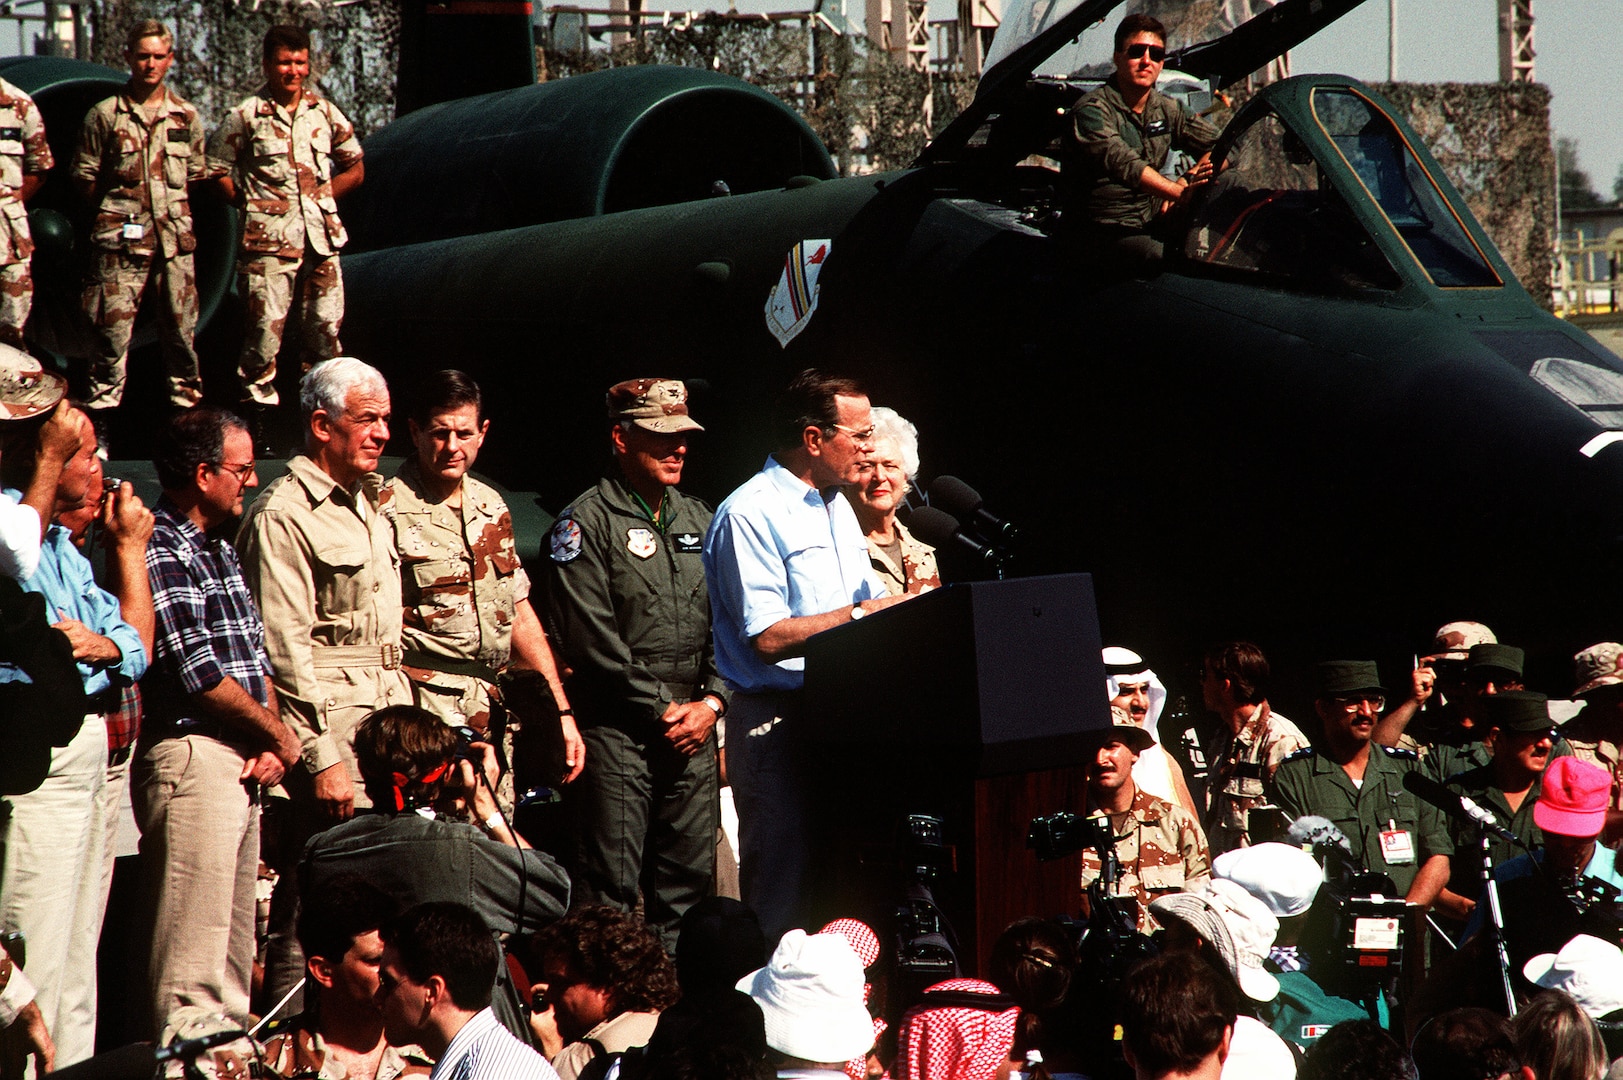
{"x": 1157, "y": 53}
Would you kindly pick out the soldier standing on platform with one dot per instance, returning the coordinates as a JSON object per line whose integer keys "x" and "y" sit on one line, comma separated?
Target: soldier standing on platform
{"x": 287, "y": 156}
{"x": 138, "y": 151}
{"x": 25, "y": 158}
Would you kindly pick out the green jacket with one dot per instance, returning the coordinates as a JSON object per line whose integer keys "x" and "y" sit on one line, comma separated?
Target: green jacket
{"x": 1309, "y": 783}
{"x": 626, "y": 605}
{"x": 1303, "y": 1012}
{"x": 1112, "y": 145}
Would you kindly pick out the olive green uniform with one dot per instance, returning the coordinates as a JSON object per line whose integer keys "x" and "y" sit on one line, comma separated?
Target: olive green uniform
{"x": 1112, "y": 145}
{"x": 627, "y": 607}
{"x": 1307, "y": 782}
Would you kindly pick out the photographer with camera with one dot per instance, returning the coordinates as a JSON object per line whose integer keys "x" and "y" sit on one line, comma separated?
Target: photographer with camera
{"x": 1159, "y": 847}
{"x": 426, "y": 782}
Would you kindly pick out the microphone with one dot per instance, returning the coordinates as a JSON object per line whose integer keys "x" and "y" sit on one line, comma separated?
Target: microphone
{"x": 190, "y": 1048}
{"x": 956, "y": 497}
{"x": 939, "y": 528}
{"x": 1458, "y": 807}
{"x": 1310, "y": 830}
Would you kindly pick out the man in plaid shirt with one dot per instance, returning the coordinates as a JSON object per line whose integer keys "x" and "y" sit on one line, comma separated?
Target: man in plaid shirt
{"x": 212, "y": 737}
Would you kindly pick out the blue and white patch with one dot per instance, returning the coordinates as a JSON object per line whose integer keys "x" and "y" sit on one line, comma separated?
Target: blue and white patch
{"x": 563, "y": 541}
{"x": 640, "y": 542}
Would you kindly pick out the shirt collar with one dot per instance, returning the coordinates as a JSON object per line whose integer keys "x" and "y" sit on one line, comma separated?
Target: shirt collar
{"x": 322, "y": 487}
{"x": 794, "y": 486}
{"x": 478, "y": 1026}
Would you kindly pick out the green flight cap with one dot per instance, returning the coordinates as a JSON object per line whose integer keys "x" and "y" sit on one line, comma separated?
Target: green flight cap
{"x": 1336, "y": 678}
{"x": 1521, "y": 711}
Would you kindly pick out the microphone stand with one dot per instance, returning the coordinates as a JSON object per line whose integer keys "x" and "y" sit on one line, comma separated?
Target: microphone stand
{"x": 1496, "y": 923}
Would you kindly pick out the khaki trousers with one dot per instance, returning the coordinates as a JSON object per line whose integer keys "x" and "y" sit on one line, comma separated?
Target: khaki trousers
{"x": 56, "y": 846}
{"x": 199, "y": 862}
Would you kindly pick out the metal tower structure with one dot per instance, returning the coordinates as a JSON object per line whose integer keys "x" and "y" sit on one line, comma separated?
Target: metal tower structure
{"x": 1516, "y": 41}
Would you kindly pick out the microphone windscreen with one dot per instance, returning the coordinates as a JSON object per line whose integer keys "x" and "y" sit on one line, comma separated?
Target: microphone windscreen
{"x": 935, "y": 527}
{"x": 954, "y": 496}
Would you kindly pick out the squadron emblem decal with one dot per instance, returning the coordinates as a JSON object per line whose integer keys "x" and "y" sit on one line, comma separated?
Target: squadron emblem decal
{"x": 640, "y": 542}
{"x": 564, "y": 540}
{"x": 793, "y": 300}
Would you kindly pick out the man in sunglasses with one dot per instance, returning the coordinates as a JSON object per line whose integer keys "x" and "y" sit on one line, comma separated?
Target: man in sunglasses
{"x": 1358, "y": 785}
{"x": 1121, "y": 135}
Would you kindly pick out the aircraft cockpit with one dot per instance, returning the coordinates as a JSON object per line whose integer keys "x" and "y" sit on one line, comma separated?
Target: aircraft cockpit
{"x": 1319, "y": 184}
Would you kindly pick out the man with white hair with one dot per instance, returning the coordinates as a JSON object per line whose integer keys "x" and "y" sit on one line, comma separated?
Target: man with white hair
{"x": 1132, "y": 687}
{"x": 321, "y": 562}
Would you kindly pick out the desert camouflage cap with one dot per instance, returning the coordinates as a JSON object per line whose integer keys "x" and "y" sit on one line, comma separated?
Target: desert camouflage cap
{"x": 1598, "y": 666}
{"x": 653, "y": 404}
{"x": 1454, "y": 640}
{"x": 26, "y": 388}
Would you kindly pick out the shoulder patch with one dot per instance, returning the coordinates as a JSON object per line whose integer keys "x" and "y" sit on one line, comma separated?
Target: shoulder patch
{"x": 564, "y": 539}
{"x": 1090, "y": 116}
{"x": 1400, "y": 753}
{"x": 1300, "y": 755}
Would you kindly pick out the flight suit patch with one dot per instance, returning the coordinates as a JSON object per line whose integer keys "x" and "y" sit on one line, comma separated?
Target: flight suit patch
{"x": 640, "y": 542}
{"x": 688, "y": 543}
{"x": 1156, "y": 127}
{"x": 563, "y": 542}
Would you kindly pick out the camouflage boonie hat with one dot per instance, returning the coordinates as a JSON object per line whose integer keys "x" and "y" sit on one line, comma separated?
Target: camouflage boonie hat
{"x": 1454, "y": 640}
{"x": 659, "y": 405}
{"x": 226, "y": 1061}
{"x": 26, "y": 388}
{"x": 1598, "y": 666}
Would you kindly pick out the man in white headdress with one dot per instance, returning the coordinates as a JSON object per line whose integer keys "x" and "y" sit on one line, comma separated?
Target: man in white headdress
{"x": 1132, "y": 687}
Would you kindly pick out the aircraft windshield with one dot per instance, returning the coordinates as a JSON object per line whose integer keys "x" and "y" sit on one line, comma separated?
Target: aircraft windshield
{"x": 1405, "y": 192}
{"x": 1088, "y": 54}
{"x": 1270, "y": 211}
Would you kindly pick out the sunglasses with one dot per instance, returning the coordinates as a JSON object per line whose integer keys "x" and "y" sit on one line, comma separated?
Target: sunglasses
{"x": 1136, "y": 52}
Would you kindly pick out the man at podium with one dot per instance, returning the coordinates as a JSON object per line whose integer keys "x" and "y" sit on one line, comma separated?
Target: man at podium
{"x": 785, "y": 559}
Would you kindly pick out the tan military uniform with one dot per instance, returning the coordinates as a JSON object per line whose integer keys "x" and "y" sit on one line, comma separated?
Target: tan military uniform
{"x": 1161, "y": 850}
{"x": 140, "y": 159}
{"x": 914, "y": 572}
{"x": 1242, "y": 764}
{"x": 302, "y": 1052}
{"x": 461, "y": 581}
{"x": 282, "y": 163}
{"x": 321, "y": 563}
{"x": 23, "y": 150}
{"x": 1590, "y": 742}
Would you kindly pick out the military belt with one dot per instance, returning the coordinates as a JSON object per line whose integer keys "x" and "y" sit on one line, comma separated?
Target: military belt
{"x": 344, "y": 656}
{"x": 472, "y": 668}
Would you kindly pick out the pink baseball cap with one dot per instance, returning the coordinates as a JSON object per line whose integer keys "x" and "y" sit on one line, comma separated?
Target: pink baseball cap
{"x": 1573, "y": 798}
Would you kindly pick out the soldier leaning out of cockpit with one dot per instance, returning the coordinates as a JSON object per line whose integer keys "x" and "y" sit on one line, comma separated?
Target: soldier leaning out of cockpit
{"x": 1119, "y": 140}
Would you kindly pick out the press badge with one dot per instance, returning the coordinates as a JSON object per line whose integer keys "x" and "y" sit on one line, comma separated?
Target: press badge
{"x": 1397, "y": 847}
{"x": 133, "y": 230}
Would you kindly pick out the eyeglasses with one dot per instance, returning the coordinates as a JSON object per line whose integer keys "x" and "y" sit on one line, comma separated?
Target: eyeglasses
{"x": 1157, "y": 53}
{"x": 1351, "y": 702}
{"x": 242, "y": 471}
{"x": 864, "y": 436}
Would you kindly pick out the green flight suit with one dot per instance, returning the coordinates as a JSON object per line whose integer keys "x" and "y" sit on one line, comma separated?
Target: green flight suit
{"x": 1307, "y": 782}
{"x": 626, "y": 604}
{"x": 1111, "y": 146}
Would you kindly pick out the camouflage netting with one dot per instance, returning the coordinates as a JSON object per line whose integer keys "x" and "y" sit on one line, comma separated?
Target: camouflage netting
{"x": 1493, "y": 140}
{"x": 217, "y": 48}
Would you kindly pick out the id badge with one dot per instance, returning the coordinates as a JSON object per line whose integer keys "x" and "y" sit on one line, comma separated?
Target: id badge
{"x": 133, "y": 230}
{"x": 1397, "y": 847}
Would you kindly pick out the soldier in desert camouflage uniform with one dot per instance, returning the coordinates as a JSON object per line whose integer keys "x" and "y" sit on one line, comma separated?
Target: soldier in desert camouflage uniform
{"x": 1250, "y": 745}
{"x": 1159, "y": 845}
{"x": 466, "y": 595}
{"x": 25, "y": 158}
{"x": 138, "y": 151}
{"x": 287, "y": 156}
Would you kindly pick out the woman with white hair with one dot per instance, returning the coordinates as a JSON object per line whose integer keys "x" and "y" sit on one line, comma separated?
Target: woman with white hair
{"x": 903, "y": 563}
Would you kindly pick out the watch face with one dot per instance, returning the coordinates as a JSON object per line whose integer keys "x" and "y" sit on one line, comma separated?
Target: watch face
{"x": 857, "y": 613}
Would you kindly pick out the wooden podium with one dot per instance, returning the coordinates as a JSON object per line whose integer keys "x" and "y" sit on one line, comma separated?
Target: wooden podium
{"x": 966, "y": 704}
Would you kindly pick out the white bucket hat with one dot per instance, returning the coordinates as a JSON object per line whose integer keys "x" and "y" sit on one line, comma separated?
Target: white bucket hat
{"x": 811, "y": 998}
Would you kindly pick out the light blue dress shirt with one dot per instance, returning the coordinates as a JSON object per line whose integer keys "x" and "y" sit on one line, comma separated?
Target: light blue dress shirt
{"x": 777, "y": 549}
{"x": 64, "y": 578}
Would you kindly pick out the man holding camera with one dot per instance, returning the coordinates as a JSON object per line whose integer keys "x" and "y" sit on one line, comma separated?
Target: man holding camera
{"x": 1159, "y": 845}
{"x": 56, "y": 841}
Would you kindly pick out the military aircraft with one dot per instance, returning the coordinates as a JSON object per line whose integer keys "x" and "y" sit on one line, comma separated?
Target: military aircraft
{"x": 1334, "y": 406}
